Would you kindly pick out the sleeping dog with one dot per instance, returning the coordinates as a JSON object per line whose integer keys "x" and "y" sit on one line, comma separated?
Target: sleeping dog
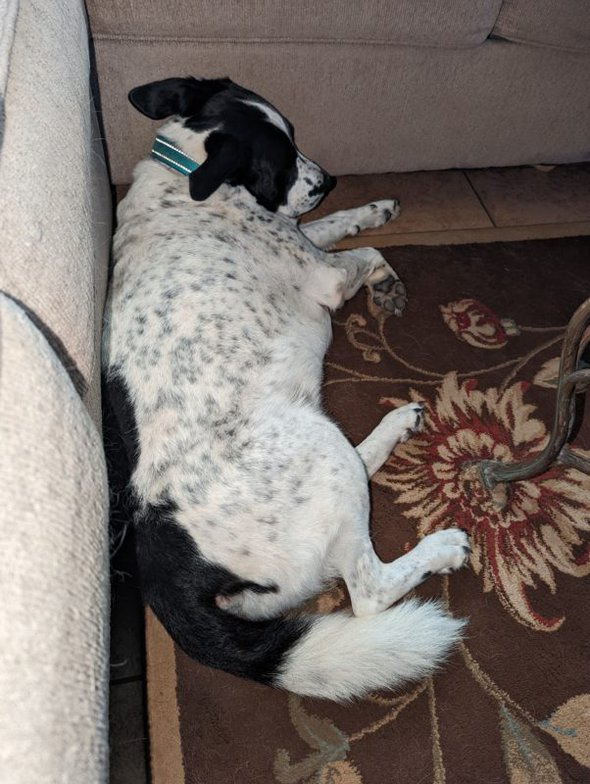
{"x": 248, "y": 499}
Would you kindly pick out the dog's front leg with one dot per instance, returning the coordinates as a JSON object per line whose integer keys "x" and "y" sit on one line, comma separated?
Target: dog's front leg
{"x": 326, "y": 232}
{"x": 340, "y": 276}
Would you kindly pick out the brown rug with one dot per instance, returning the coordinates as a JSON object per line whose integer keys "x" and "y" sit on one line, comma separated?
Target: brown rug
{"x": 479, "y": 343}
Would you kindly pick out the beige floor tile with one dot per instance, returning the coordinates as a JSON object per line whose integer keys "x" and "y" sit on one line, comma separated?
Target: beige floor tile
{"x": 431, "y": 201}
{"x": 541, "y": 231}
{"x": 525, "y": 196}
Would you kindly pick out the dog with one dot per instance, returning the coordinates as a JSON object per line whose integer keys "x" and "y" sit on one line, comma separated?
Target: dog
{"x": 248, "y": 499}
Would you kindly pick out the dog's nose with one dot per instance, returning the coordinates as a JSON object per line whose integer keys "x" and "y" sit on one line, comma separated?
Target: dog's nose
{"x": 329, "y": 182}
{"x": 323, "y": 186}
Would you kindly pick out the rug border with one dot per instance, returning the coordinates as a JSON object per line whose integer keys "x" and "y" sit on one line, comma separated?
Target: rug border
{"x": 166, "y": 760}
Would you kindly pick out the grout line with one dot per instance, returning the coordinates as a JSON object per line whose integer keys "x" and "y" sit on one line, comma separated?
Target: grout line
{"x": 529, "y": 227}
{"x": 539, "y": 231}
{"x": 479, "y": 198}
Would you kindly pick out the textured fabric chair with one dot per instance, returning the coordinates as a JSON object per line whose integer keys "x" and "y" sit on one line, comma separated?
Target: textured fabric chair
{"x": 55, "y": 229}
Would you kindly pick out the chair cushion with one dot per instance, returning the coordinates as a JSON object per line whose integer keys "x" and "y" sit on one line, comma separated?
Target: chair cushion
{"x": 408, "y": 22}
{"x": 563, "y": 24}
{"x": 54, "y": 197}
{"x": 54, "y": 569}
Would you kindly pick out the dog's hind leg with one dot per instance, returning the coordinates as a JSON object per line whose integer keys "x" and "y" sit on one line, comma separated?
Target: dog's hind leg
{"x": 374, "y": 585}
{"x": 340, "y": 276}
{"x": 326, "y": 232}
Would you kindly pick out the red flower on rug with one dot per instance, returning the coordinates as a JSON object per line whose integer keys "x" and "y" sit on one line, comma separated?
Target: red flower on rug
{"x": 517, "y": 540}
{"x": 476, "y": 324}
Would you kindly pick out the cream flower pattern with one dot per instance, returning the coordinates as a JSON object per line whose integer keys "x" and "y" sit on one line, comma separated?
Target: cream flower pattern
{"x": 476, "y": 324}
{"x": 548, "y": 374}
{"x": 520, "y": 538}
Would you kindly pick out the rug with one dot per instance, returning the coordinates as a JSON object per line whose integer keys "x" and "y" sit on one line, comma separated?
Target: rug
{"x": 479, "y": 344}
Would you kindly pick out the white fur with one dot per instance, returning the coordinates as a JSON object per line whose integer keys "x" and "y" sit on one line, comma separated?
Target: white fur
{"x": 327, "y": 231}
{"x": 272, "y": 115}
{"x": 384, "y": 651}
{"x": 309, "y": 180}
{"x": 217, "y": 320}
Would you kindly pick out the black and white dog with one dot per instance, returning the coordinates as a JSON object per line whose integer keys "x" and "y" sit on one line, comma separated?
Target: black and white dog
{"x": 248, "y": 498}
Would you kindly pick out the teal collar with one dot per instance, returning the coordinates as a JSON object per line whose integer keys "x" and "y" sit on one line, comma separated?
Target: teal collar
{"x": 166, "y": 152}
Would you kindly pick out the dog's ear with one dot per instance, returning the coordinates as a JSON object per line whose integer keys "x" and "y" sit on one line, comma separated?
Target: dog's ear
{"x": 185, "y": 97}
{"x": 223, "y": 160}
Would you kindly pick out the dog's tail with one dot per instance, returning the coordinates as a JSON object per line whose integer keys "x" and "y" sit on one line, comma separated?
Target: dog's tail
{"x": 336, "y": 656}
{"x": 340, "y": 656}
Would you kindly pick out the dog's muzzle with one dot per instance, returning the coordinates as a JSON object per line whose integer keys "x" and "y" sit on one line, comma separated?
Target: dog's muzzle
{"x": 327, "y": 184}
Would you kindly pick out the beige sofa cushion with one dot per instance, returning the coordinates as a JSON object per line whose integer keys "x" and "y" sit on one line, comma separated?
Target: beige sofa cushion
{"x": 54, "y": 570}
{"x": 438, "y": 23}
{"x": 360, "y": 109}
{"x": 8, "y": 11}
{"x": 564, "y": 24}
{"x": 54, "y": 196}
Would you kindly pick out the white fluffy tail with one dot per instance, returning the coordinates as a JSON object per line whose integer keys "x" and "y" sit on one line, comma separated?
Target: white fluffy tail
{"x": 341, "y": 657}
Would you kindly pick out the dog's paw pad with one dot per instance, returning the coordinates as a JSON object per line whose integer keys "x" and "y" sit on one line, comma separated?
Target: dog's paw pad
{"x": 389, "y": 295}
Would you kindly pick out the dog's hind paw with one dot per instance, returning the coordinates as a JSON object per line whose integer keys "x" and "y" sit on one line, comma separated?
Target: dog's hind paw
{"x": 445, "y": 551}
{"x": 413, "y": 416}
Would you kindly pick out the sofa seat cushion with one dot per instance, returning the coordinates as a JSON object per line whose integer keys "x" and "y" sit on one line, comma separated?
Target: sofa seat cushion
{"x": 54, "y": 568}
{"x": 563, "y": 24}
{"x": 436, "y": 23}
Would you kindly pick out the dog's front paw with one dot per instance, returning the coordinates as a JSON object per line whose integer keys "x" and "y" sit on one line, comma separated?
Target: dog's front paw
{"x": 385, "y": 210}
{"x": 389, "y": 294}
{"x": 373, "y": 215}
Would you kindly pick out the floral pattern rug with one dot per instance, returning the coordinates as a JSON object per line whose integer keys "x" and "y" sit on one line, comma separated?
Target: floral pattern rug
{"x": 479, "y": 344}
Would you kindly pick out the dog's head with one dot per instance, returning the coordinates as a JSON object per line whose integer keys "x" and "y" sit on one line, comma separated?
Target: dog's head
{"x": 248, "y": 142}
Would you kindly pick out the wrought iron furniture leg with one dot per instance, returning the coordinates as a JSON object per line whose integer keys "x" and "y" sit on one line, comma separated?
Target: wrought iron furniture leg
{"x": 571, "y": 381}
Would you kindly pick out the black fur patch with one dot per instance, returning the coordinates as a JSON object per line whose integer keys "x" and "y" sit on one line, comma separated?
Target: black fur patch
{"x": 262, "y": 158}
{"x": 119, "y": 405}
{"x": 181, "y": 586}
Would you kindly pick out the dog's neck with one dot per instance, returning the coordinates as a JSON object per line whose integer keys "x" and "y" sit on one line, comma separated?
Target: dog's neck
{"x": 190, "y": 142}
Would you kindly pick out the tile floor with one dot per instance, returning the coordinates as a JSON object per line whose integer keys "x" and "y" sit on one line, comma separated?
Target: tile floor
{"x": 437, "y": 208}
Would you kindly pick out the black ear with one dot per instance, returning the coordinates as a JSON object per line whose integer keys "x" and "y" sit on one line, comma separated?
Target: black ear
{"x": 185, "y": 97}
{"x": 223, "y": 160}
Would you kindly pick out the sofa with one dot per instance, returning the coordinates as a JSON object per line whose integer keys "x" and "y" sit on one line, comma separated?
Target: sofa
{"x": 375, "y": 86}
{"x": 55, "y": 229}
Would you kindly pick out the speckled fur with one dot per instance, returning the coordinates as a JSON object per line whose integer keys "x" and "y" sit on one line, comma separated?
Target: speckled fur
{"x": 217, "y": 322}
